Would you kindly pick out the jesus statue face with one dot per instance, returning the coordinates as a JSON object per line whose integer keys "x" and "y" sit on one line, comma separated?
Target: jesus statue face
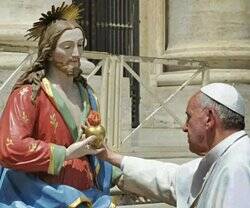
{"x": 66, "y": 56}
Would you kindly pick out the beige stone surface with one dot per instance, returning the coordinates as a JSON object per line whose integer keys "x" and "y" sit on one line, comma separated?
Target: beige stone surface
{"x": 17, "y": 17}
{"x": 214, "y": 30}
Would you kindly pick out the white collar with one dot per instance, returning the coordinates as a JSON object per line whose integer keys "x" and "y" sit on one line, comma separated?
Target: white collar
{"x": 207, "y": 161}
{"x": 221, "y": 147}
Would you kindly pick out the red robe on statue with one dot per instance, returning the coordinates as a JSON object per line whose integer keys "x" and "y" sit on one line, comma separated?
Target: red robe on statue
{"x": 34, "y": 138}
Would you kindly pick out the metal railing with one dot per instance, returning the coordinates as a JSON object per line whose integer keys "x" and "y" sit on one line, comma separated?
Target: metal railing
{"x": 7, "y": 85}
{"x": 112, "y": 72}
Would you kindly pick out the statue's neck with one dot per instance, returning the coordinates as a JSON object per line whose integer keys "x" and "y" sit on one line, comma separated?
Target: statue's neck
{"x": 62, "y": 80}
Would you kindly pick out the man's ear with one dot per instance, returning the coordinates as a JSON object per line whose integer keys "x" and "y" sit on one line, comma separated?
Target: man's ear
{"x": 210, "y": 119}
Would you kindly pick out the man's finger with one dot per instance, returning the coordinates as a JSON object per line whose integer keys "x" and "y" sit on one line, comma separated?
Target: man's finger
{"x": 97, "y": 151}
{"x": 100, "y": 150}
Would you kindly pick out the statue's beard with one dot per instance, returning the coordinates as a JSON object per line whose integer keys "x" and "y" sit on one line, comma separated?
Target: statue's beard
{"x": 70, "y": 68}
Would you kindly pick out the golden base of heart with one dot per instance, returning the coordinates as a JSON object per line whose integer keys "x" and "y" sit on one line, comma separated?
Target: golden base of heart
{"x": 99, "y": 132}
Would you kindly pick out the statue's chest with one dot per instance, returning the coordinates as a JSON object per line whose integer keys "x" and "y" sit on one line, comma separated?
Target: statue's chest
{"x": 74, "y": 106}
{"x": 73, "y": 102}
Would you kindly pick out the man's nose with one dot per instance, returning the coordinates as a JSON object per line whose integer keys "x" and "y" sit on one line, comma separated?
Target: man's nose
{"x": 184, "y": 128}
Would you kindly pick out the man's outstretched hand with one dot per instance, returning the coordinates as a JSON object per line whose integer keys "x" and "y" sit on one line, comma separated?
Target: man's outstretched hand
{"x": 109, "y": 155}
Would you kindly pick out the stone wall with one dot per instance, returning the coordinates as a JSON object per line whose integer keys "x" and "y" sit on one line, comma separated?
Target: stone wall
{"x": 16, "y": 18}
{"x": 213, "y": 32}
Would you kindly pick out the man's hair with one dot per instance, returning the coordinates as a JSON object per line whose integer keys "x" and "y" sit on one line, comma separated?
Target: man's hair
{"x": 229, "y": 118}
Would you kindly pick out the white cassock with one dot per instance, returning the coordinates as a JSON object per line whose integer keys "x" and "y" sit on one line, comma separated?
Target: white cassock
{"x": 221, "y": 179}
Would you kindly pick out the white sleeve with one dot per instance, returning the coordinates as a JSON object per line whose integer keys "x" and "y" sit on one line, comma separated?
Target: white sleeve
{"x": 150, "y": 178}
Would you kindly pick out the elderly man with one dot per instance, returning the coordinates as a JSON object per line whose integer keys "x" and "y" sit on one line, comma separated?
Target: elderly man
{"x": 45, "y": 162}
{"x": 220, "y": 179}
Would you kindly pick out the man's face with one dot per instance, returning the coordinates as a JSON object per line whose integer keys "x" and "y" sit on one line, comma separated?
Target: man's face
{"x": 66, "y": 56}
{"x": 195, "y": 127}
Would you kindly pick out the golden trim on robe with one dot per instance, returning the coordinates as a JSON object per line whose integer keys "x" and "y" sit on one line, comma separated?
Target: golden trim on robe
{"x": 9, "y": 141}
{"x": 23, "y": 91}
{"x": 33, "y": 147}
{"x": 79, "y": 201}
{"x": 47, "y": 87}
{"x": 51, "y": 169}
{"x": 24, "y": 117}
{"x": 53, "y": 121}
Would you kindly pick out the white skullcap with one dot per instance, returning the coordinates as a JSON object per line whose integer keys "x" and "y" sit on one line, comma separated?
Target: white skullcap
{"x": 226, "y": 95}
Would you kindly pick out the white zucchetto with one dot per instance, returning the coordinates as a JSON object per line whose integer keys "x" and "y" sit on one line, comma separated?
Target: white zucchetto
{"x": 226, "y": 95}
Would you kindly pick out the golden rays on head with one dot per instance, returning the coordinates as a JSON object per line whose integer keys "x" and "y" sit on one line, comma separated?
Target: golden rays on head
{"x": 64, "y": 12}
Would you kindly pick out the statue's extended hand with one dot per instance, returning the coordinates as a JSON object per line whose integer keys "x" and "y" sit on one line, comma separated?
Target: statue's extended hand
{"x": 82, "y": 148}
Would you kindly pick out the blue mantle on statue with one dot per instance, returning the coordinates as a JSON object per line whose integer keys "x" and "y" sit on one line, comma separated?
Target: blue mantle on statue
{"x": 22, "y": 190}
